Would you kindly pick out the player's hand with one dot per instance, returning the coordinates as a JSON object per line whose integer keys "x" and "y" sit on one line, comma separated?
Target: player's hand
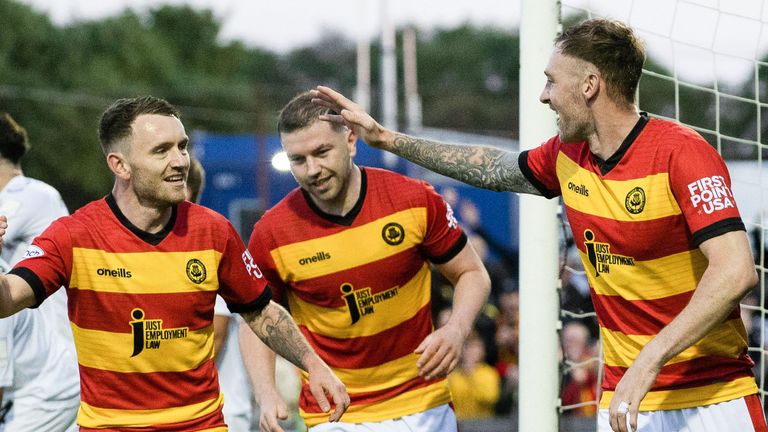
{"x": 632, "y": 388}
{"x": 440, "y": 352}
{"x": 323, "y": 383}
{"x": 351, "y": 115}
{"x": 272, "y": 409}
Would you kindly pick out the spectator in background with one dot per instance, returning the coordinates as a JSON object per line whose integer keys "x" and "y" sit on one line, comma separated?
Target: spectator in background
{"x": 474, "y": 384}
{"x": 575, "y": 296}
{"x": 501, "y": 261}
{"x": 506, "y": 341}
{"x": 581, "y": 384}
{"x": 233, "y": 379}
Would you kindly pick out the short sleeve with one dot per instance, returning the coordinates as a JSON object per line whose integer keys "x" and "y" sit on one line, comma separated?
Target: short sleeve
{"x": 539, "y": 167}
{"x": 260, "y": 249}
{"x": 241, "y": 283}
{"x": 444, "y": 238}
{"x": 701, "y": 185}
{"x": 46, "y": 265}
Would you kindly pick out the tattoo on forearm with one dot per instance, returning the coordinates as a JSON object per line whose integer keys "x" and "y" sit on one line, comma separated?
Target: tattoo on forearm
{"x": 484, "y": 167}
{"x": 275, "y": 327}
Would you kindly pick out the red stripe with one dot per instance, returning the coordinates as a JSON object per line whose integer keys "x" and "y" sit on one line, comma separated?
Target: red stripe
{"x": 117, "y": 390}
{"x": 755, "y": 409}
{"x": 648, "y": 316}
{"x": 632, "y": 242}
{"x": 308, "y": 403}
{"x": 370, "y": 351}
{"x": 693, "y": 373}
{"x": 210, "y": 421}
{"x": 112, "y": 311}
{"x": 380, "y": 275}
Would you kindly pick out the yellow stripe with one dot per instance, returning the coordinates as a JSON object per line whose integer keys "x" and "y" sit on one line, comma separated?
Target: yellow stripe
{"x": 371, "y": 247}
{"x": 691, "y": 397}
{"x": 94, "y": 417}
{"x": 408, "y": 403}
{"x": 726, "y": 340}
{"x": 606, "y": 197}
{"x": 648, "y": 280}
{"x": 112, "y": 351}
{"x": 335, "y": 322}
{"x": 387, "y": 375}
{"x": 150, "y": 272}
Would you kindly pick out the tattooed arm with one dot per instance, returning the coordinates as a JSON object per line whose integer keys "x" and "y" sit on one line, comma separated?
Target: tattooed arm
{"x": 277, "y": 330}
{"x": 481, "y": 166}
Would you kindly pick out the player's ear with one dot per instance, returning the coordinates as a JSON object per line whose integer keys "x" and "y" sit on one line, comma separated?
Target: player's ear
{"x": 351, "y": 142}
{"x": 591, "y": 85}
{"x": 118, "y": 165}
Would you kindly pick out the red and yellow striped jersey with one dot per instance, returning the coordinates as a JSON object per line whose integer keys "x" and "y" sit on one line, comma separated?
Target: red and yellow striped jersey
{"x": 141, "y": 310}
{"x": 359, "y": 288}
{"x": 637, "y": 220}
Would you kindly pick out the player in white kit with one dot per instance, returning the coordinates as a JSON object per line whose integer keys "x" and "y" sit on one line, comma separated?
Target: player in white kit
{"x": 38, "y": 367}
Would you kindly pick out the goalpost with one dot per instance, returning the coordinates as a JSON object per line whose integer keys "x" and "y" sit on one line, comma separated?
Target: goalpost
{"x": 705, "y": 69}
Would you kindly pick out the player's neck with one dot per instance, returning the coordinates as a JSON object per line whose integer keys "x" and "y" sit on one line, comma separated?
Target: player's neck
{"x": 347, "y": 198}
{"x": 611, "y": 129}
{"x": 8, "y": 171}
{"x": 143, "y": 215}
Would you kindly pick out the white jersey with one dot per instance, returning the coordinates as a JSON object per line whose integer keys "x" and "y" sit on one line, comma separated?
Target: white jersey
{"x": 233, "y": 378}
{"x": 41, "y": 371}
{"x": 31, "y": 206}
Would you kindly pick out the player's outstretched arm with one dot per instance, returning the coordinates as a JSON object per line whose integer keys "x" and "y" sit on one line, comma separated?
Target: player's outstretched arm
{"x": 15, "y": 292}
{"x": 480, "y": 166}
{"x": 275, "y": 327}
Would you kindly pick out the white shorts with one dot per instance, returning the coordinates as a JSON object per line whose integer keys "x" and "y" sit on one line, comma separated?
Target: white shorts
{"x": 438, "y": 419}
{"x": 742, "y": 415}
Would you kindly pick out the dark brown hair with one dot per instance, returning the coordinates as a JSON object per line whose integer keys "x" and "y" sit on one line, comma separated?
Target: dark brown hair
{"x": 115, "y": 123}
{"x": 13, "y": 139}
{"x": 300, "y": 112}
{"x": 613, "y": 48}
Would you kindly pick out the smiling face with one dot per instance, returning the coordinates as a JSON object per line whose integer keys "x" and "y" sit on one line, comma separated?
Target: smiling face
{"x": 563, "y": 93}
{"x": 157, "y": 160}
{"x": 321, "y": 162}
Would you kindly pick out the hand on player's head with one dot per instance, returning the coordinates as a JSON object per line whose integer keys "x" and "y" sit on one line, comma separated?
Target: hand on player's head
{"x": 349, "y": 114}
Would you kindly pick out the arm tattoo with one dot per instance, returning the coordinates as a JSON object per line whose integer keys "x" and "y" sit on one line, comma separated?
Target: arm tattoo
{"x": 484, "y": 167}
{"x": 275, "y": 327}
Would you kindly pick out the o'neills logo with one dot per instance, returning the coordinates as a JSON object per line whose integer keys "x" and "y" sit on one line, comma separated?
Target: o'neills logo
{"x": 600, "y": 256}
{"x": 320, "y": 256}
{"x": 579, "y": 189}
{"x": 360, "y": 302}
{"x": 115, "y": 273}
{"x": 148, "y": 333}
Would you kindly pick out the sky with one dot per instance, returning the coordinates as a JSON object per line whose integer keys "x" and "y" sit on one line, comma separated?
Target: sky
{"x": 706, "y": 43}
